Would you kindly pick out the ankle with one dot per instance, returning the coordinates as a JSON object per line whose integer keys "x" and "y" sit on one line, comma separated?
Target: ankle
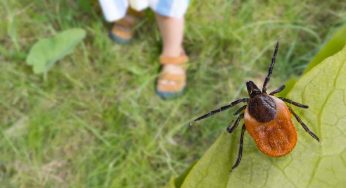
{"x": 172, "y": 52}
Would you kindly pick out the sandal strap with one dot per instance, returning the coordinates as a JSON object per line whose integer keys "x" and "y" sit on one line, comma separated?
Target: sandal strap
{"x": 178, "y": 80}
{"x": 117, "y": 27}
{"x": 172, "y": 77}
{"x": 170, "y": 88}
{"x": 122, "y": 31}
{"x": 180, "y": 60}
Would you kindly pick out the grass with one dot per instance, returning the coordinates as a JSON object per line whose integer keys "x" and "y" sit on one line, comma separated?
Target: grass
{"x": 96, "y": 122}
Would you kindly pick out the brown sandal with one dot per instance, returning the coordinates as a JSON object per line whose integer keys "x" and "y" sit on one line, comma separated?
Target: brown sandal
{"x": 172, "y": 80}
{"x": 123, "y": 30}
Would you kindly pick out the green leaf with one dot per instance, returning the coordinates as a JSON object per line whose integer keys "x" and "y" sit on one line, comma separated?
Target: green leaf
{"x": 310, "y": 164}
{"x": 178, "y": 181}
{"x": 46, "y": 52}
{"x": 214, "y": 167}
{"x": 324, "y": 89}
{"x": 289, "y": 85}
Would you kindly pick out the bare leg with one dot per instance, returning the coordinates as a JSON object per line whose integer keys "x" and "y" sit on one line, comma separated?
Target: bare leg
{"x": 172, "y": 32}
{"x": 240, "y": 152}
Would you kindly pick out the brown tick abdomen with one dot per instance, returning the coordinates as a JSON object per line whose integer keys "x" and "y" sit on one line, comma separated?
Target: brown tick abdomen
{"x": 277, "y": 137}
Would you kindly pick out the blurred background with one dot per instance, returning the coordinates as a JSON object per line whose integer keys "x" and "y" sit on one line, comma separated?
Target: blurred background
{"x": 95, "y": 121}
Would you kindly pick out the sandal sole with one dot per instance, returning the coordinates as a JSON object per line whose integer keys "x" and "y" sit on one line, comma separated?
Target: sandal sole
{"x": 169, "y": 95}
{"x": 118, "y": 39}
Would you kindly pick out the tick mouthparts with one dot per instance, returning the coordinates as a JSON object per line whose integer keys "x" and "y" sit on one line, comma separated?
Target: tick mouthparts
{"x": 252, "y": 88}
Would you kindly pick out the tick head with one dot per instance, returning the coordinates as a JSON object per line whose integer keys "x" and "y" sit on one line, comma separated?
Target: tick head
{"x": 252, "y": 89}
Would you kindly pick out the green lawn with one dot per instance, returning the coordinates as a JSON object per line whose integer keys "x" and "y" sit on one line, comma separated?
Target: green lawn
{"x": 96, "y": 121}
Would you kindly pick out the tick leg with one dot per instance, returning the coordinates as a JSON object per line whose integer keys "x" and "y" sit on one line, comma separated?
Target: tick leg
{"x": 305, "y": 127}
{"x": 230, "y": 128}
{"x": 270, "y": 70}
{"x": 278, "y": 90}
{"x": 294, "y": 103}
{"x": 240, "y": 110}
{"x": 221, "y": 109}
{"x": 240, "y": 152}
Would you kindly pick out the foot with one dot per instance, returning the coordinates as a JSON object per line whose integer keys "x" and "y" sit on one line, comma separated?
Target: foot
{"x": 172, "y": 80}
{"x": 123, "y": 30}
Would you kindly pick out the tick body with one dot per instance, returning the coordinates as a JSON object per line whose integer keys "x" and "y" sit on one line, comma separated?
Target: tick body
{"x": 275, "y": 136}
{"x": 266, "y": 118}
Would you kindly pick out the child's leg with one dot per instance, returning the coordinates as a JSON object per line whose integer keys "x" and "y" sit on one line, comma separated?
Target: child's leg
{"x": 172, "y": 79}
{"x": 172, "y": 31}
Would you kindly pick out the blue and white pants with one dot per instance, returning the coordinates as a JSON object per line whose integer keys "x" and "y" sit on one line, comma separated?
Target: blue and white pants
{"x": 116, "y": 9}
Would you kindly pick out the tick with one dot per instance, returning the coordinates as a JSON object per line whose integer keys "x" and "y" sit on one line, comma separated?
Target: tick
{"x": 266, "y": 118}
